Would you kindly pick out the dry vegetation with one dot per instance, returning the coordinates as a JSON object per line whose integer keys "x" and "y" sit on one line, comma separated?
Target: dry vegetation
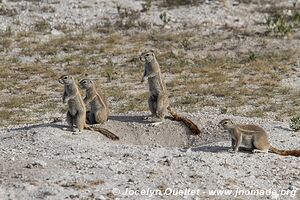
{"x": 247, "y": 84}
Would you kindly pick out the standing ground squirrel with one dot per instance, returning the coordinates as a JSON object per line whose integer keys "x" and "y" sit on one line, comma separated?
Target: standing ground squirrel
{"x": 253, "y": 137}
{"x": 95, "y": 102}
{"x": 159, "y": 101}
{"x": 76, "y": 114}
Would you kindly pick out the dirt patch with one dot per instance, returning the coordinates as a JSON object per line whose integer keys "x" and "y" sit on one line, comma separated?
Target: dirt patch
{"x": 220, "y": 59}
{"x": 43, "y": 161}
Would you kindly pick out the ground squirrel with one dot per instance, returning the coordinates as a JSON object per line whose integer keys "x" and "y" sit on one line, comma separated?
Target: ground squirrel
{"x": 253, "y": 137}
{"x": 76, "y": 114}
{"x": 159, "y": 101}
{"x": 95, "y": 102}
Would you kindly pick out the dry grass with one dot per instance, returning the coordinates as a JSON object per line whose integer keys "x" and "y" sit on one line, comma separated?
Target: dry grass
{"x": 228, "y": 83}
{"x": 41, "y": 26}
{"x": 236, "y": 82}
{"x": 174, "y": 3}
{"x": 7, "y": 11}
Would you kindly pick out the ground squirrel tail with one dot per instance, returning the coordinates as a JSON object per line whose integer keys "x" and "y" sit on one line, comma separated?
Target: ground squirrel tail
{"x": 285, "y": 152}
{"x": 191, "y": 125}
{"x": 104, "y": 131}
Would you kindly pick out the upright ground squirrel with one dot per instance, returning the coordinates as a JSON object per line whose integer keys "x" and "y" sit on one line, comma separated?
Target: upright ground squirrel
{"x": 76, "y": 114}
{"x": 159, "y": 101}
{"x": 95, "y": 102}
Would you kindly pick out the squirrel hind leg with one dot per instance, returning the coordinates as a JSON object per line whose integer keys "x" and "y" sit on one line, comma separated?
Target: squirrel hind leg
{"x": 79, "y": 120}
{"x": 156, "y": 123}
{"x": 260, "y": 151}
{"x": 70, "y": 120}
{"x": 101, "y": 117}
{"x": 152, "y": 103}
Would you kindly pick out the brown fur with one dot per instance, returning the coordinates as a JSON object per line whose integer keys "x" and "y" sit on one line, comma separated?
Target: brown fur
{"x": 253, "y": 137}
{"x": 158, "y": 101}
{"x": 104, "y": 131}
{"x": 195, "y": 130}
{"x": 97, "y": 104}
{"x": 76, "y": 114}
{"x": 285, "y": 152}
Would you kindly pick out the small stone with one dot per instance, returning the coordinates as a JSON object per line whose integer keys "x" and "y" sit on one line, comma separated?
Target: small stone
{"x": 36, "y": 164}
{"x": 101, "y": 197}
{"x": 235, "y": 3}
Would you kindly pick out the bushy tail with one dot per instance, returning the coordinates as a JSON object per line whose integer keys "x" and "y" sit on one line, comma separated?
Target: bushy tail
{"x": 285, "y": 152}
{"x": 191, "y": 125}
{"x": 104, "y": 131}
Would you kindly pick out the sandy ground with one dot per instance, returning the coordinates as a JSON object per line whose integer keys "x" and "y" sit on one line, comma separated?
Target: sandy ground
{"x": 149, "y": 162}
{"x": 45, "y": 162}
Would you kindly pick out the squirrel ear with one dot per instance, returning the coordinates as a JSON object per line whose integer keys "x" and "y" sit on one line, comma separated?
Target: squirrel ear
{"x": 152, "y": 52}
{"x": 142, "y": 58}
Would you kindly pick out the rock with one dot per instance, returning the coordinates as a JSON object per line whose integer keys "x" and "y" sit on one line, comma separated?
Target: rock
{"x": 55, "y": 32}
{"x": 36, "y": 164}
{"x": 101, "y": 197}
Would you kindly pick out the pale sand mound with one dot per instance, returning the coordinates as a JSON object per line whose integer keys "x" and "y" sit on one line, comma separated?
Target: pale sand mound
{"x": 45, "y": 162}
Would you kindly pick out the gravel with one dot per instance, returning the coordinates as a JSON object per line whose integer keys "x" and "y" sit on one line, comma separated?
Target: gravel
{"x": 46, "y": 162}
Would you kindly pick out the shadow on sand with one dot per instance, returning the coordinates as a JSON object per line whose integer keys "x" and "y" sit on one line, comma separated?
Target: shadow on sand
{"x": 213, "y": 149}
{"x": 283, "y": 128}
{"x": 53, "y": 125}
{"x": 137, "y": 119}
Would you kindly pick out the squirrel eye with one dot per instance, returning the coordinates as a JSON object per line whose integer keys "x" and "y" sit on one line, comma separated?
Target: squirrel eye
{"x": 148, "y": 54}
{"x": 65, "y": 77}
